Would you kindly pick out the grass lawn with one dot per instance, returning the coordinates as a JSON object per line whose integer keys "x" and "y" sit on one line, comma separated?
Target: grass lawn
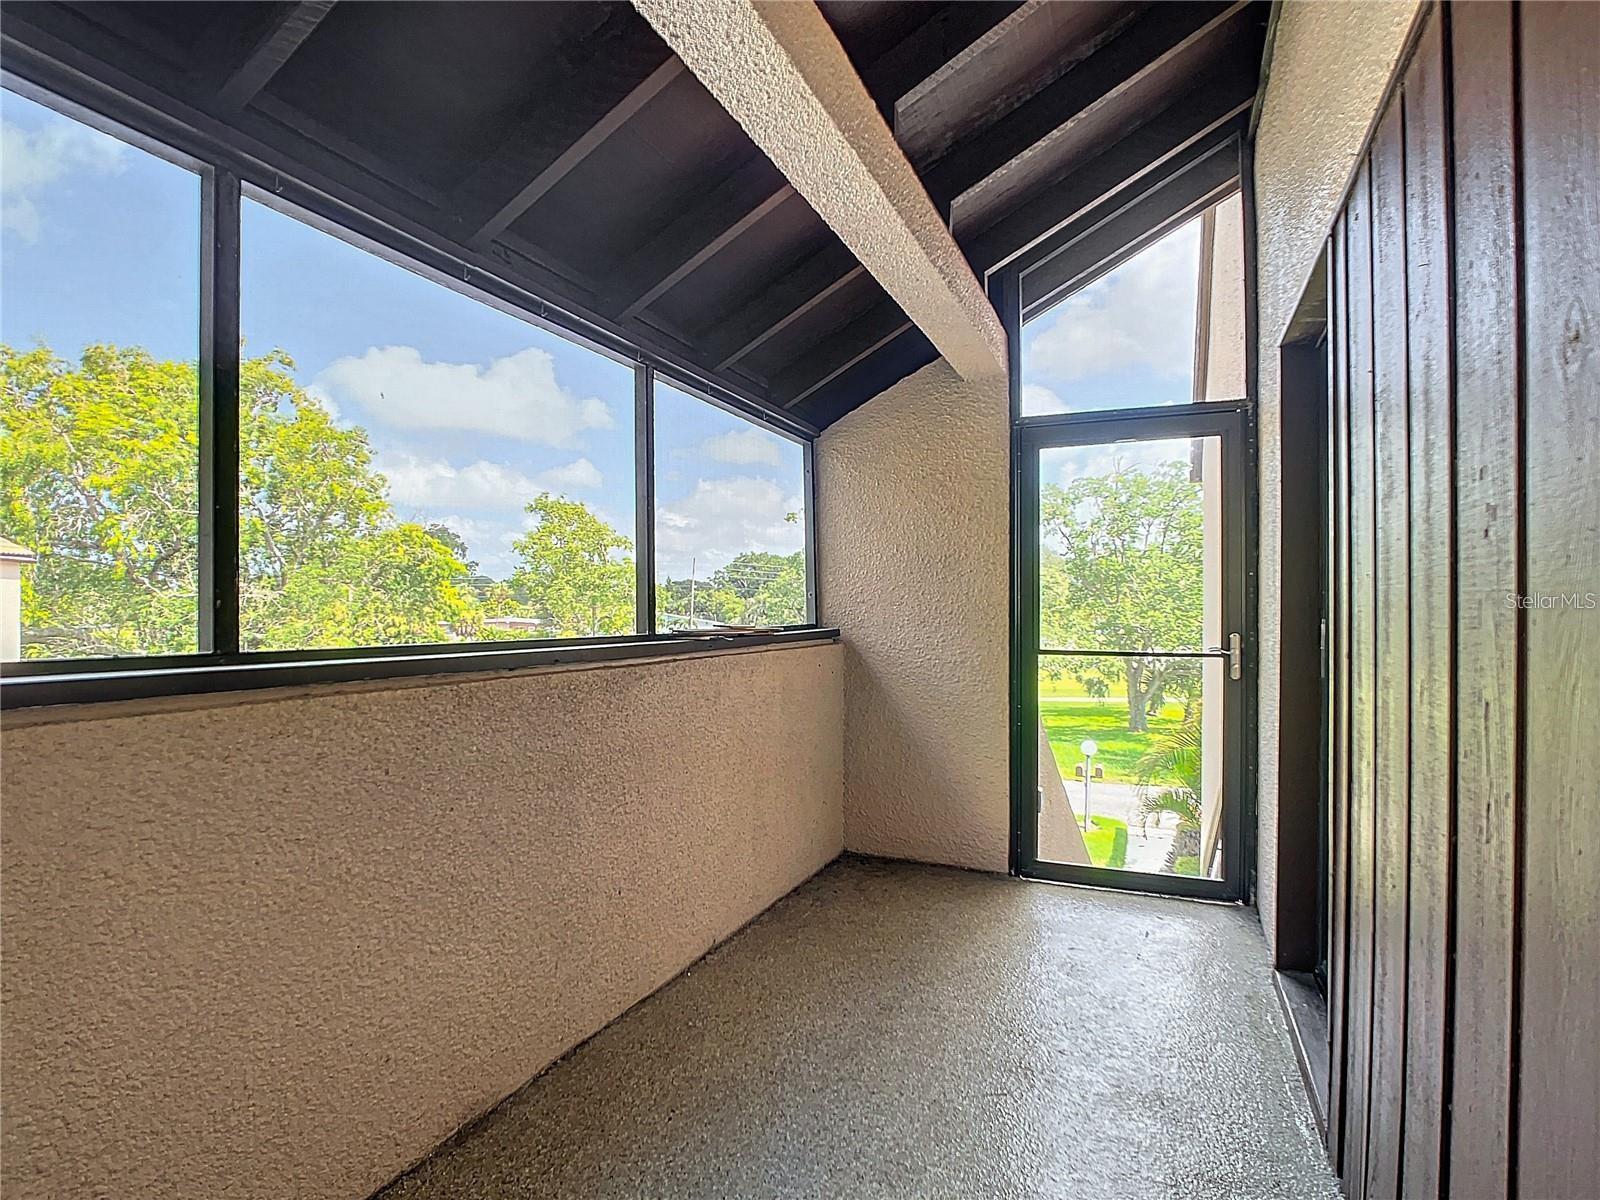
{"x": 1107, "y": 842}
{"x": 1065, "y": 686}
{"x": 1068, "y": 721}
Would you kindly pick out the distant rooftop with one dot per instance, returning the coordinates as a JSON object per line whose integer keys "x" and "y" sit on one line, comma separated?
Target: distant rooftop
{"x": 11, "y": 552}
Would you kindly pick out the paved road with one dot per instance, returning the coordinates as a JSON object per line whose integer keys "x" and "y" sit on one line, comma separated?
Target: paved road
{"x": 1147, "y": 848}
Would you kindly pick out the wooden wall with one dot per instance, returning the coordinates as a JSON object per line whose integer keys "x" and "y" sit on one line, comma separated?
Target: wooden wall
{"x": 1464, "y": 313}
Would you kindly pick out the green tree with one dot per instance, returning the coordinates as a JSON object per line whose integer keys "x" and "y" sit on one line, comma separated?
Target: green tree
{"x": 98, "y": 476}
{"x": 756, "y": 588}
{"x": 677, "y": 600}
{"x": 1126, "y": 574}
{"x": 576, "y": 570}
{"x": 771, "y": 586}
{"x": 322, "y": 560}
{"x": 457, "y": 544}
{"x": 1169, "y": 782}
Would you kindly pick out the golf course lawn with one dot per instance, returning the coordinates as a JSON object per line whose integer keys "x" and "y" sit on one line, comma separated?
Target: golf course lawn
{"x": 1068, "y": 720}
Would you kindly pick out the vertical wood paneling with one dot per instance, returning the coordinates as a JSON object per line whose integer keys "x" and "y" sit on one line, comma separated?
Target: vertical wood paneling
{"x": 1431, "y": 535}
{"x": 1363, "y": 676}
{"x": 1339, "y": 681}
{"x": 1488, "y": 418}
{"x": 1392, "y": 692}
{"x": 1464, "y": 312}
{"x": 1558, "y": 1139}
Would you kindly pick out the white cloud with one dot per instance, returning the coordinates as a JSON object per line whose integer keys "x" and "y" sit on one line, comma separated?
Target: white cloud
{"x": 1038, "y": 399}
{"x": 489, "y": 542}
{"x": 515, "y": 397}
{"x": 416, "y": 483}
{"x": 744, "y": 447}
{"x": 420, "y": 484}
{"x": 328, "y": 402}
{"x": 1139, "y": 315}
{"x": 722, "y": 518}
{"x": 575, "y": 476}
{"x": 33, "y": 161}
{"x": 472, "y": 530}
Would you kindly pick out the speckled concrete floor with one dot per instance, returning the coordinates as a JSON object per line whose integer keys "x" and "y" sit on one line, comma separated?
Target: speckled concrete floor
{"x": 905, "y": 1031}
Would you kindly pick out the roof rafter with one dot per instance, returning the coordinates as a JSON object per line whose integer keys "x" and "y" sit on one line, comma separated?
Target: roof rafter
{"x": 285, "y": 34}
{"x": 800, "y": 291}
{"x": 1117, "y": 228}
{"x": 1194, "y": 124}
{"x": 839, "y": 351}
{"x": 692, "y": 239}
{"x": 888, "y": 77}
{"x": 901, "y": 69}
{"x": 888, "y": 364}
{"x": 991, "y": 76}
{"x": 537, "y": 144}
{"x": 1146, "y": 46}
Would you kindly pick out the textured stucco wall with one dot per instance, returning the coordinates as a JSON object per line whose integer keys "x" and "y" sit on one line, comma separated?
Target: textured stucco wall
{"x": 912, "y": 527}
{"x": 1330, "y": 66}
{"x": 281, "y": 947}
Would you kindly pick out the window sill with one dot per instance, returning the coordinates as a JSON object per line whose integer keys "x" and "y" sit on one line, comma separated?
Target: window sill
{"x": 81, "y": 686}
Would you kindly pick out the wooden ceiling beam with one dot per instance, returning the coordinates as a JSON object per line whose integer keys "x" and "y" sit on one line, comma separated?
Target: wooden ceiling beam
{"x": 587, "y": 92}
{"x": 283, "y": 36}
{"x": 1103, "y": 224}
{"x": 1114, "y": 231}
{"x": 1145, "y": 47}
{"x": 533, "y": 146}
{"x": 893, "y": 73}
{"x": 882, "y": 369}
{"x": 695, "y": 236}
{"x": 758, "y": 319}
{"x": 1193, "y": 125}
{"x": 908, "y": 63}
{"x": 838, "y": 351}
{"x": 1018, "y": 58}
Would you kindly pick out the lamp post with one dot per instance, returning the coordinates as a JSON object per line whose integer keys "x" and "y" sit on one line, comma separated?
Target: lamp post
{"x": 1088, "y": 747}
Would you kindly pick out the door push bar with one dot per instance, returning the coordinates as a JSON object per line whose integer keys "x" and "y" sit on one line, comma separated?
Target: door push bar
{"x": 1231, "y": 652}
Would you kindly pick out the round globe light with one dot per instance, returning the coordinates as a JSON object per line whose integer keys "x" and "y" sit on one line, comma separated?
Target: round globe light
{"x": 1088, "y": 747}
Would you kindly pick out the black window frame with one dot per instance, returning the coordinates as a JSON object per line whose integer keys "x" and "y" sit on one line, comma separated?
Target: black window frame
{"x": 227, "y": 177}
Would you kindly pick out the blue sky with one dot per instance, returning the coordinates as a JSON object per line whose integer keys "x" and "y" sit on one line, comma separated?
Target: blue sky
{"x": 1125, "y": 341}
{"x": 98, "y": 241}
{"x": 470, "y": 411}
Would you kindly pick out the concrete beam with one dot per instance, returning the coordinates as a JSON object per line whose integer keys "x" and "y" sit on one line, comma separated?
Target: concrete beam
{"x": 777, "y": 67}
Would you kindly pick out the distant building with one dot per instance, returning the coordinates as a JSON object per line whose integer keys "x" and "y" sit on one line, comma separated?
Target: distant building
{"x": 529, "y": 623}
{"x": 12, "y": 559}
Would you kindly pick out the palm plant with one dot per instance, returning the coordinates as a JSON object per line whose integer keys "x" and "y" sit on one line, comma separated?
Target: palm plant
{"x": 1169, "y": 782}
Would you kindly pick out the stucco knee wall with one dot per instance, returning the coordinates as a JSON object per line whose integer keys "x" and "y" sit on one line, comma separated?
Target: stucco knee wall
{"x": 913, "y": 537}
{"x": 1331, "y": 65}
{"x": 282, "y": 947}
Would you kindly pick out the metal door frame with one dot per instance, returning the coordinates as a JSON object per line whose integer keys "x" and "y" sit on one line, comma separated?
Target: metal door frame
{"x": 1229, "y": 422}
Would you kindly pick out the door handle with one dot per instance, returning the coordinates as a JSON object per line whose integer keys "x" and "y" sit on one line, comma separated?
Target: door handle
{"x": 1235, "y": 669}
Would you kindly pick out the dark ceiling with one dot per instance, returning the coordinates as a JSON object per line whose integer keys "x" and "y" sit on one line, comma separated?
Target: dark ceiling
{"x": 565, "y": 148}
